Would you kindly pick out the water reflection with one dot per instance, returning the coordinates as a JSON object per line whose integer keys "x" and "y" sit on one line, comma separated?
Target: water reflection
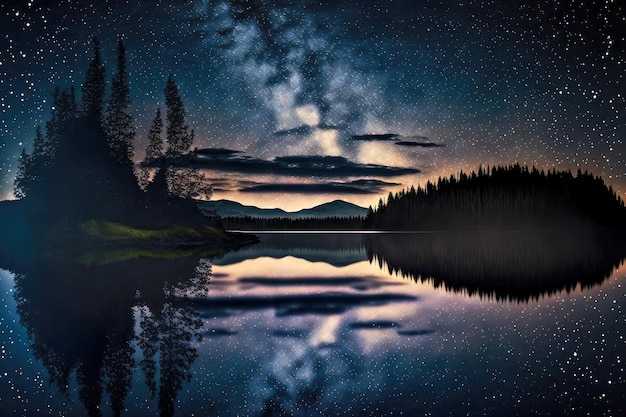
{"x": 81, "y": 318}
{"x": 515, "y": 266}
{"x": 322, "y": 325}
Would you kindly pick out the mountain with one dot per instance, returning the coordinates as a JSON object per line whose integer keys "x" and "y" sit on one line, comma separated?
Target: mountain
{"x": 337, "y": 208}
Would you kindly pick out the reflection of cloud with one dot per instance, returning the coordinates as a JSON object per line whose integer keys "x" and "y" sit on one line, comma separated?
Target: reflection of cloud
{"x": 358, "y": 283}
{"x": 220, "y": 159}
{"x": 294, "y": 333}
{"x": 292, "y": 305}
{"x": 374, "y": 325}
{"x": 415, "y": 332}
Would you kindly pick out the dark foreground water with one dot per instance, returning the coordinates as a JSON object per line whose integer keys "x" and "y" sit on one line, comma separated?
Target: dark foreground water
{"x": 321, "y": 325}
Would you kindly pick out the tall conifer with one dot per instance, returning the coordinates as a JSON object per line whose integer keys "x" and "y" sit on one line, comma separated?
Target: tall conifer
{"x": 118, "y": 120}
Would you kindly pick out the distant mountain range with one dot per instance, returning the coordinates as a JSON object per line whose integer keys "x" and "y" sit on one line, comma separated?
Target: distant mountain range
{"x": 337, "y": 208}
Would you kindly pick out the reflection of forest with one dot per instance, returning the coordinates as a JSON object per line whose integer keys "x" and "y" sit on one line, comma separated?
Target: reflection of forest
{"x": 332, "y": 248}
{"x": 82, "y": 319}
{"x": 506, "y": 265}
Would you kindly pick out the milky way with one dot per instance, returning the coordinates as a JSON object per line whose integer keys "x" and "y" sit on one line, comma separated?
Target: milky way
{"x": 496, "y": 82}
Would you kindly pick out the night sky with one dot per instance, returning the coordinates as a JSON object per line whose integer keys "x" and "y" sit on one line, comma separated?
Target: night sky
{"x": 434, "y": 86}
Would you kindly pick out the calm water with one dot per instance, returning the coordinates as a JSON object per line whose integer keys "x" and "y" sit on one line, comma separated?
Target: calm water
{"x": 318, "y": 325}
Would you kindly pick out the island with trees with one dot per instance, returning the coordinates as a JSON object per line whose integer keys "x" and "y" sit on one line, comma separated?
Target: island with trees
{"x": 80, "y": 184}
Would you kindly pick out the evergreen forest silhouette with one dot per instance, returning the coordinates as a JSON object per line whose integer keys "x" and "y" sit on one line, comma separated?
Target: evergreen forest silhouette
{"x": 81, "y": 166}
{"x": 502, "y": 197}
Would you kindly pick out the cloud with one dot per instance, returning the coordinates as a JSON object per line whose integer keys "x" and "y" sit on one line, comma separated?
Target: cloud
{"x": 353, "y": 187}
{"x": 371, "y": 137}
{"x": 330, "y": 188}
{"x": 305, "y": 130}
{"x": 409, "y": 141}
{"x": 220, "y": 159}
{"x": 421, "y": 144}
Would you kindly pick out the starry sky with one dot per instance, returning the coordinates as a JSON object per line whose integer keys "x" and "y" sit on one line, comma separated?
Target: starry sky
{"x": 396, "y": 92}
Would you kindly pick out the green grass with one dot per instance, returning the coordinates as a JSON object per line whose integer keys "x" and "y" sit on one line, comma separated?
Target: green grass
{"x": 118, "y": 232}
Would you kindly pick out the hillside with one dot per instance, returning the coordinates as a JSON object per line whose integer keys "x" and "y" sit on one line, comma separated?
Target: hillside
{"x": 337, "y": 208}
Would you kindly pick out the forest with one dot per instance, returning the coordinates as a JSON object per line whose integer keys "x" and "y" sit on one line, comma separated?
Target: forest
{"x": 81, "y": 166}
{"x": 309, "y": 223}
{"x": 511, "y": 197}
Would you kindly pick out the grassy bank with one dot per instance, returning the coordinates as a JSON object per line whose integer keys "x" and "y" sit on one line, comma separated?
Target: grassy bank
{"x": 113, "y": 232}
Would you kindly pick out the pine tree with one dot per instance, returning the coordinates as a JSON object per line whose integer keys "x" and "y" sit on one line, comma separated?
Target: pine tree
{"x": 32, "y": 168}
{"x": 155, "y": 143}
{"x": 64, "y": 110}
{"x": 118, "y": 120}
{"x": 178, "y": 138}
{"x": 93, "y": 87}
{"x": 20, "y": 184}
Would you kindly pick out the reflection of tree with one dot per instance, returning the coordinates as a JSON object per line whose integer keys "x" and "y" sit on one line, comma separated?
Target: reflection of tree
{"x": 514, "y": 266}
{"x": 179, "y": 328}
{"x": 118, "y": 370}
{"x": 168, "y": 334}
{"x": 80, "y": 319}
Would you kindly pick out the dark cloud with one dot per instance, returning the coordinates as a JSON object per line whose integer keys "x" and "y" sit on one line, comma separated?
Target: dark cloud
{"x": 216, "y": 152}
{"x": 421, "y": 144}
{"x": 362, "y": 186}
{"x": 330, "y": 188}
{"x": 384, "y": 136}
{"x": 374, "y": 183}
{"x": 410, "y": 141}
{"x": 305, "y": 130}
{"x": 221, "y": 159}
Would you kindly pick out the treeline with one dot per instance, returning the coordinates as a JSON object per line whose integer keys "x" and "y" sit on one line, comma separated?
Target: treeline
{"x": 285, "y": 223}
{"x": 81, "y": 165}
{"x": 502, "y": 197}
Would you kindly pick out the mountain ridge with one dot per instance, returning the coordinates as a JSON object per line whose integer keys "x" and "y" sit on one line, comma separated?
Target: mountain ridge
{"x": 335, "y": 208}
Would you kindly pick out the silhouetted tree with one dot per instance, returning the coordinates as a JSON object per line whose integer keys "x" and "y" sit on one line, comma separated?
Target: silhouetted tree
{"x": 118, "y": 120}
{"x": 64, "y": 110}
{"x": 179, "y": 140}
{"x": 188, "y": 183}
{"x": 21, "y": 184}
{"x": 93, "y": 88}
{"x": 154, "y": 150}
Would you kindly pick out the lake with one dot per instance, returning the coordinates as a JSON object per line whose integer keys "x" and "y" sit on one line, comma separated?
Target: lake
{"x": 321, "y": 324}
